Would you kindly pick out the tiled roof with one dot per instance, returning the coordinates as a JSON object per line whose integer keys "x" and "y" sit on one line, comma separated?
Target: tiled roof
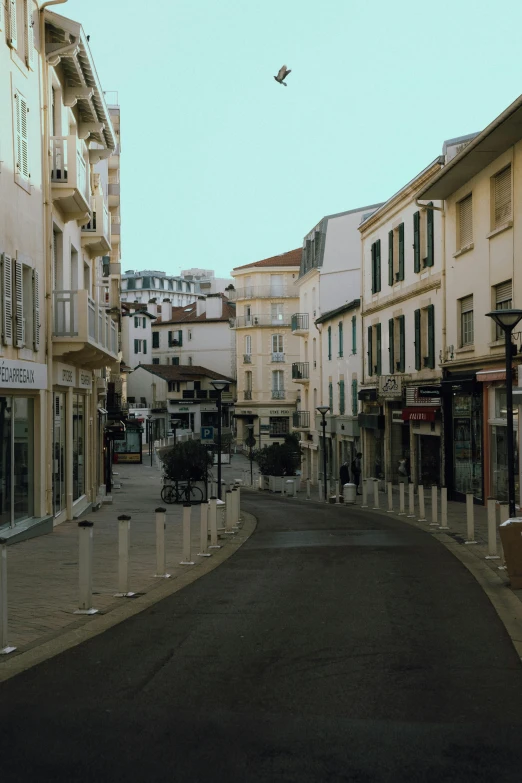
{"x": 182, "y": 372}
{"x": 188, "y": 314}
{"x": 292, "y": 258}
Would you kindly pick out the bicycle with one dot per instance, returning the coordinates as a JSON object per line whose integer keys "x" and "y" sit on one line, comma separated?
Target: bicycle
{"x": 184, "y": 493}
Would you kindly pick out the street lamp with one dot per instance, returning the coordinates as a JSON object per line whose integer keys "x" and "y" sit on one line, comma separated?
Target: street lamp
{"x": 507, "y": 320}
{"x": 251, "y": 442}
{"x": 323, "y": 410}
{"x": 219, "y": 386}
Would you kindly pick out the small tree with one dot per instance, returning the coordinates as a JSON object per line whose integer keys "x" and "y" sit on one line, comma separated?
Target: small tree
{"x": 278, "y": 459}
{"x": 187, "y": 461}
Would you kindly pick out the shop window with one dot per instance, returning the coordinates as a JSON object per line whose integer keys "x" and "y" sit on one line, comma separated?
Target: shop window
{"x": 279, "y": 426}
{"x": 16, "y": 459}
{"x": 78, "y": 445}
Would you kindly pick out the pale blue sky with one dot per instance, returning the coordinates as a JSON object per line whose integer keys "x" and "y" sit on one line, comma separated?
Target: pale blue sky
{"x": 222, "y": 166}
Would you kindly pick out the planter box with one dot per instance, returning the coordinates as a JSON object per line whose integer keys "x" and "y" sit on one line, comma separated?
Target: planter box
{"x": 511, "y": 538}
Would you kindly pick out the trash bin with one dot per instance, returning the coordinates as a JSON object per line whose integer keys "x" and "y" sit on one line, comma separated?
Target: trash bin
{"x": 349, "y": 493}
{"x": 511, "y": 538}
{"x": 290, "y": 487}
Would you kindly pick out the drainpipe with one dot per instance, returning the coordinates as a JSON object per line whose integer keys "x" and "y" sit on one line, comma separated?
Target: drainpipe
{"x": 47, "y": 238}
{"x": 443, "y": 268}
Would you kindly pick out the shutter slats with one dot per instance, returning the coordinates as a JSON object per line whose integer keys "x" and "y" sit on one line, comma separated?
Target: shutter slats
{"x": 417, "y": 316}
{"x": 390, "y": 258}
{"x": 466, "y": 304}
{"x": 36, "y": 310}
{"x": 19, "y": 304}
{"x": 504, "y": 292}
{"x": 370, "y": 350}
{"x": 466, "y": 221}
{"x": 430, "y": 234}
{"x": 2, "y": 22}
{"x": 29, "y": 33}
{"x": 416, "y": 241}
{"x": 401, "y": 251}
{"x": 378, "y": 264}
{"x": 402, "y": 343}
{"x": 378, "y": 357}
{"x": 431, "y": 337}
{"x": 502, "y": 197}
{"x": 12, "y": 37}
{"x": 7, "y": 293}
{"x": 391, "y": 344}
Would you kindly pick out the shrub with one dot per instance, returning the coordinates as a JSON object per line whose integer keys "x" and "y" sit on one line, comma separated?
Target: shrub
{"x": 278, "y": 459}
{"x": 186, "y": 461}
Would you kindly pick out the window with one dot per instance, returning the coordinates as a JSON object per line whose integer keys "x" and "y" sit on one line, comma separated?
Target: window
{"x": 374, "y": 350}
{"x": 503, "y": 301}
{"x": 416, "y": 242}
{"x": 136, "y": 322}
{"x": 155, "y": 360}
{"x": 424, "y": 339}
{"x": 248, "y": 344}
{"x": 330, "y": 397}
{"x": 341, "y": 398}
{"x": 329, "y": 342}
{"x": 21, "y": 136}
{"x": 175, "y": 360}
{"x": 354, "y": 398}
{"x": 78, "y": 448}
{"x": 502, "y": 197}
{"x": 376, "y": 267}
{"x": 155, "y": 340}
{"x": 277, "y": 348}
{"x": 17, "y": 459}
{"x": 397, "y": 344}
{"x": 277, "y": 313}
{"x": 189, "y": 361}
{"x": 340, "y": 339}
{"x": 465, "y": 222}
{"x": 28, "y": 33}
{"x": 248, "y": 380}
{"x": 144, "y": 346}
{"x": 279, "y": 426}
{"x": 175, "y": 339}
{"x": 144, "y": 323}
{"x": 466, "y": 320}
{"x": 396, "y": 255}
{"x": 137, "y": 346}
{"x": 189, "y": 334}
{"x": 11, "y": 23}
{"x": 354, "y": 334}
{"x": 278, "y": 385}
{"x": 430, "y": 239}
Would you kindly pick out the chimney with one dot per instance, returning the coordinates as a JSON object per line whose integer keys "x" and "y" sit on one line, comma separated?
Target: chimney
{"x": 214, "y": 306}
{"x": 201, "y": 306}
{"x": 166, "y": 310}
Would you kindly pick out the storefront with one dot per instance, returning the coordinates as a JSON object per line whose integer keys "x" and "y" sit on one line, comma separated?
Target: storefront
{"x": 463, "y": 436}
{"x": 423, "y": 414}
{"x": 372, "y": 423}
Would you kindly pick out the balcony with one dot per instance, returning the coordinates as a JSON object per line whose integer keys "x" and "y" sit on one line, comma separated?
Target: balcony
{"x": 158, "y": 405}
{"x": 278, "y": 357}
{"x": 299, "y": 323}
{"x": 246, "y": 321}
{"x": 301, "y": 372}
{"x": 96, "y": 234}
{"x": 301, "y": 420}
{"x": 114, "y": 190}
{"x": 278, "y": 394}
{"x": 247, "y": 358}
{"x": 189, "y": 394}
{"x": 248, "y": 394}
{"x": 262, "y": 292}
{"x": 83, "y": 332}
{"x": 115, "y": 229}
{"x": 69, "y": 177}
{"x": 114, "y": 160}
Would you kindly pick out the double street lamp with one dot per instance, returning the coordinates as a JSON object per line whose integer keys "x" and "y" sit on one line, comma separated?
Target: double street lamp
{"x": 507, "y": 320}
{"x": 219, "y": 386}
{"x": 323, "y": 410}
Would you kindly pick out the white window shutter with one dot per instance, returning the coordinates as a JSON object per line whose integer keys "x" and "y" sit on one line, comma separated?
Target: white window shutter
{"x": 22, "y": 148}
{"x": 12, "y": 37}
{"x": 502, "y": 197}
{"x": 2, "y": 20}
{"x": 7, "y": 294}
{"x": 36, "y": 310}
{"x": 19, "y": 304}
{"x": 29, "y": 33}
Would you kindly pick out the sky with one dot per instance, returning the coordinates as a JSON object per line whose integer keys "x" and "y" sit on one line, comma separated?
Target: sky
{"x": 222, "y": 166}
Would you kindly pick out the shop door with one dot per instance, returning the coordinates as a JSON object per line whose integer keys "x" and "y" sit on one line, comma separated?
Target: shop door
{"x": 467, "y": 446}
{"x": 59, "y": 454}
{"x": 428, "y": 460}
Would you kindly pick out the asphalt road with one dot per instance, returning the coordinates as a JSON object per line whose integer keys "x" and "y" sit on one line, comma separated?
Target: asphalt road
{"x": 336, "y": 645}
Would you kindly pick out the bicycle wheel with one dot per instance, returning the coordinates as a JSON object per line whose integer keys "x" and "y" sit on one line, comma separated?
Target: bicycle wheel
{"x": 168, "y": 494}
{"x": 196, "y": 495}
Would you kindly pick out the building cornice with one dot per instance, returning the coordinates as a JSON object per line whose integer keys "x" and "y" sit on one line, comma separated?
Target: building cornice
{"x": 417, "y": 289}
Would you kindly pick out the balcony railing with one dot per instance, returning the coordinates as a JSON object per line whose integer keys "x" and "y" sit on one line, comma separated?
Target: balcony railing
{"x": 301, "y": 371}
{"x": 189, "y": 394}
{"x": 301, "y": 420}
{"x": 158, "y": 405}
{"x": 115, "y": 227}
{"x": 247, "y": 358}
{"x": 69, "y": 175}
{"x": 96, "y": 234}
{"x": 278, "y": 357}
{"x": 248, "y": 394}
{"x": 79, "y": 319}
{"x": 278, "y": 394}
{"x": 201, "y": 394}
{"x": 299, "y": 322}
{"x": 259, "y": 320}
{"x": 262, "y": 292}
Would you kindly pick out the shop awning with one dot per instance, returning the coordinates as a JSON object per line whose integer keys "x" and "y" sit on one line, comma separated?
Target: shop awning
{"x": 419, "y": 414}
{"x": 484, "y": 376}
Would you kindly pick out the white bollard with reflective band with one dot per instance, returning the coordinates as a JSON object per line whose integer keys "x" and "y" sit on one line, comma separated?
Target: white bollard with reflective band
{"x": 492, "y": 530}
{"x": 85, "y": 542}
{"x": 5, "y": 647}
{"x": 212, "y": 523}
{"x": 229, "y": 514}
{"x": 376, "y": 494}
{"x": 444, "y": 508}
{"x": 434, "y": 506}
{"x": 187, "y": 549}
{"x": 390, "y": 497}
{"x": 470, "y": 519}
{"x": 364, "y": 503}
{"x": 422, "y": 507}
{"x": 239, "y": 511}
{"x": 308, "y": 489}
{"x": 411, "y": 501}
{"x": 504, "y": 516}
{"x": 123, "y": 557}
{"x": 402, "y": 511}
{"x": 336, "y": 491}
{"x": 203, "y": 532}
{"x": 161, "y": 557}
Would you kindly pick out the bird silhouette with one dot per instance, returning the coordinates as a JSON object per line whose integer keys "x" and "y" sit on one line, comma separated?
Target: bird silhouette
{"x": 281, "y": 76}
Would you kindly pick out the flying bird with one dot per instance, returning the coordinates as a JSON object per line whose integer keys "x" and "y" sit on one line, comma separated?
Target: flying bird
{"x": 281, "y": 76}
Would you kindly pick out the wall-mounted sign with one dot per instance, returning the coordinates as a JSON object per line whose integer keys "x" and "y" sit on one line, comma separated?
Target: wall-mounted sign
{"x": 419, "y": 414}
{"x": 390, "y": 386}
{"x": 22, "y": 375}
{"x": 84, "y": 379}
{"x": 63, "y": 375}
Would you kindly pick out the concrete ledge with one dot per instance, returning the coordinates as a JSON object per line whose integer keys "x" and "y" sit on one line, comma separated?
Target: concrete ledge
{"x": 29, "y": 528}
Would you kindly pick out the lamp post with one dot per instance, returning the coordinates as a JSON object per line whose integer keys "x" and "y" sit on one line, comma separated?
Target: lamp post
{"x": 251, "y": 442}
{"x": 174, "y": 423}
{"x": 219, "y": 386}
{"x": 323, "y": 410}
{"x": 507, "y": 320}
{"x": 149, "y": 419}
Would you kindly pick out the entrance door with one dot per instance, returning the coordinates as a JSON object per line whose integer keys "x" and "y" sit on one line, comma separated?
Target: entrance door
{"x": 59, "y": 453}
{"x": 428, "y": 460}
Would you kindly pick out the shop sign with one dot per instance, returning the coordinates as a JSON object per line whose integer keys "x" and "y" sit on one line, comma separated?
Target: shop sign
{"x": 22, "y": 375}
{"x": 63, "y": 375}
{"x": 390, "y": 386}
{"x": 423, "y": 395}
{"x": 129, "y": 457}
{"x": 419, "y": 414}
{"x": 397, "y": 417}
{"x": 84, "y": 379}
{"x": 428, "y": 391}
{"x": 279, "y": 412}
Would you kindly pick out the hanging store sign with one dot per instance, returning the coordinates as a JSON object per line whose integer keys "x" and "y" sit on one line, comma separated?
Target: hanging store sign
{"x": 419, "y": 414}
{"x": 22, "y": 375}
{"x": 390, "y": 386}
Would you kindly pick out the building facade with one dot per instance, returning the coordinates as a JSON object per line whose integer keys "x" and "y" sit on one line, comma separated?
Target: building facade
{"x": 152, "y": 287}
{"x": 136, "y": 335}
{"x": 207, "y": 281}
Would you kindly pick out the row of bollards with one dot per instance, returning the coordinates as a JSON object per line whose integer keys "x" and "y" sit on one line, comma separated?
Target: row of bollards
{"x": 230, "y": 511}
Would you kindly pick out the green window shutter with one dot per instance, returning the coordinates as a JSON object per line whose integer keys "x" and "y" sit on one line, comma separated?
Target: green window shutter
{"x": 340, "y": 339}
{"x": 378, "y": 357}
{"x": 402, "y": 343}
{"x": 370, "y": 350}
{"x": 354, "y": 334}
{"x": 429, "y": 234}
{"x": 390, "y": 258}
{"x": 354, "y": 398}
{"x": 401, "y": 251}
{"x": 417, "y": 339}
{"x": 374, "y": 271}
{"x": 431, "y": 337}
{"x": 136, "y": 346}
{"x": 378, "y": 265}
{"x": 341, "y": 398}
{"x": 144, "y": 346}
{"x": 391, "y": 344}
{"x": 175, "y": 360}
{"x": 180, "y": 337}
{"x": 416, "y": 241}
{"x": 329, "y": 342}
{"x": 155, "y": 339}
{"x": 330, "y": 396}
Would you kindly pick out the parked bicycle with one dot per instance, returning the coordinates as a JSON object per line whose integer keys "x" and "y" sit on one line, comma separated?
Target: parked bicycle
{"x": 181, "y": 493}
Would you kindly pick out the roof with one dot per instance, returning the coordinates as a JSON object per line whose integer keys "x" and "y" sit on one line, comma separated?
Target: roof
{"x": 500, "y": 135}
{"x": 188, "y": 314}
{"x": 292, "y": 258}
{"x": 338, "y": 311}
{"x": 182, "y": 372}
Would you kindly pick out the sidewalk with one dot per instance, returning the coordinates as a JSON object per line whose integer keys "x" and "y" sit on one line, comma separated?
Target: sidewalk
{"x": 42, "y": 573}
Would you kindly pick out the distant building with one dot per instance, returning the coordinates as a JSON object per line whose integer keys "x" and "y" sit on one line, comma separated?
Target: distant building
{"x": 207, "y": 281}
{"x": 153, "y": 287}
{"x": 136, "y": 334}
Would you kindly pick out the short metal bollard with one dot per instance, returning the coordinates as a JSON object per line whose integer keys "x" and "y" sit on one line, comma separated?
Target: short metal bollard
{"x": 123, "y": 557}
{"x": 161, "y": 557}
{"x": 434, "y": 508}
{"x": 390, "y": 497}
{"x": 470, "y": 519}
{"x": 402, "y": 511}
{"x": 411, "y": 501}
{"x": 203, "y": 532}
{"x": 5, "y": 647}
{"x": 376, "y": 494}
{"x": 364, "y": 503}
{"x": 349, "y": 493}
{"x": 212, "y": 523}
{"x": 85, "y": 543}
{"x": 290, "y": 488}
{"x": 187, "y": 550}
{"x": 444, "y": 508}
{"x": 492, "y": 530}
{"x": 422, "y": 507}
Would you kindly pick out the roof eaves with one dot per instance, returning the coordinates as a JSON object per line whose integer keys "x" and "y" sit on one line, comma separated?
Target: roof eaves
{"x": 353, "y": 305}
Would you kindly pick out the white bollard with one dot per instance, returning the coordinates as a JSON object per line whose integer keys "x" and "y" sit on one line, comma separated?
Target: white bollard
{"x": 504, "y": 516}
{"x": 123, "y": 557}
{"x": 85, "y": 545}
{"x": 203, "y": 532}
{"x": 411, "y": 501}
{"x": 235, "y": 506}
{"x": 390, "y": 497}
{"x": 221, "y": 507}
{"x": 5, "y": 647}
{"x": 444, "y": 508}
{"x": 238, "y": 505}
{"x": 320, "y": 489}
{"x": 422, "y": 508}
{"x": 402, "y": 511}
{"x": 434, "y": 509}
{"x": 161, "y": 559}
{"x": 328, "y": 491}
{"x": 308, "y": 489}
{"x": 492, "y": 530}
{"x": 470, "y": 519}
{"x": 212, "y": 522}
{"x": 376, "y": 494}
{"x": 187, "y": 551}
{"x": 364, "y": 503}
{"x": 337, "y": 492}
{"x": 229, "y": 513}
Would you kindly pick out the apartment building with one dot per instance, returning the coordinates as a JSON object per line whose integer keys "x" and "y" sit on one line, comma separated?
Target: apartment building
{"x": 266, "y": 296}
{"x": 402, "y": 323}
{"x": 152, "y": 287}
{"x": 136, "y": 334}
{"x": 197, "y": 334}
{"x": 207, "y": 281}
{"x": 480, "y": 187}
{"x": 58, "y": 335}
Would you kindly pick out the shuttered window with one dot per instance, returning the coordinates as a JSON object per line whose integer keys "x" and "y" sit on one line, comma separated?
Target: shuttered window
{"x": 370, "y": 350}
{"x": 429, "y": 360}
{"x": 155, "y": 340}
{"x": 401, "y": 364}
{"x": 29, "y": 33}
{"x": 341, "y": 398}
{"x": 391, "y": 274}
{"x": 417, "y": 339}
{"x": 19, "y": 304}
{"x": 36, "y": 310}
{"x": 2, "y": 19}
{"x": 466, "y": 320}
{"x": 376, "y": 267}
{"x": 12, "y": 34}
{"x": 401, "y": 251}
{"x": 354, "y": 334}
{"x": 416, "y": 242}
{"x": 341, "y": 340}
{"x": 354, "y": 398}
{"x": 502, "y": 195}
{"x": 503, "y": 301}
{"x": 7, "y": 300}
{"x": 429, "y": 236}
{"x": 21, "y": 140}
{"x": 391, "y": 344}
{"x": 465, "y": 208}
{"x": 330, "y": 396}
{"x": 329, "y": 342}
{"x": 378, "y": 363}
